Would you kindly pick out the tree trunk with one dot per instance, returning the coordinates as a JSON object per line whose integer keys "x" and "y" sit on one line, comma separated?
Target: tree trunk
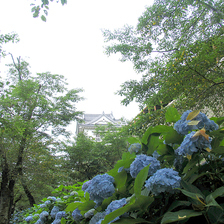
{"x": 28, "y": 194}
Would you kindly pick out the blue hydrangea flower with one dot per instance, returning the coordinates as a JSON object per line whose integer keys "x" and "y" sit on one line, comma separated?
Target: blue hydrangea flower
{"x": 101, "y": 187}
{"x": 183, "y": 128}
{"x": 163, "y": 180}
{"x": 97, "y": 218}
{"x": 90, "y": 213}
{"x": 192, "y": 144}
{"x": 142, "y": 161}
{"x": 47, "y": 202}
{"x": 77, "y": 215}
{"x": 54, "y": 211}
{"x": 43, "y": 215}
{"x": 156, "y": 154}
{"x": 52, "y": 198}
{"x": 39, "y": 221}
{"x": 57, "y": 221}
{"x": 29, "y": 218}
{"x": 136, "y": 147}
{"x": 59, "y": 215}
{"x": 86, "y": 185}
{"x": 122, "y": 168}
{"x": 114, "y": 205}
{"x": 43, "y": 205}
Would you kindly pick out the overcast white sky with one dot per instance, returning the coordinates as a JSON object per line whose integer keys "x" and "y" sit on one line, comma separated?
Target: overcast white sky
{"x": 71, "y": 43}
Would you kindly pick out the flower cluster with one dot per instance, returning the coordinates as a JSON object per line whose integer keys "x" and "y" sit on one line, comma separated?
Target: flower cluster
{"x": 136, "y": 147}
{"x": 101, "y": 187}
{"x": 192, "y": 144}
{"x": 142, "y": 161}
{"x": 164, "y": 180}
{"x": 77, "y": 215}
{"x": 54, "y": 211}
{"x": 182, "y": 126}
{"x": 97, "y": 218}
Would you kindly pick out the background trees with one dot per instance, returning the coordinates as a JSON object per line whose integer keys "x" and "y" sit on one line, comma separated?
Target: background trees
{"x": 177, "y": 47}
{"x": 30, "y": 106}
{"x": 87, "y": 158}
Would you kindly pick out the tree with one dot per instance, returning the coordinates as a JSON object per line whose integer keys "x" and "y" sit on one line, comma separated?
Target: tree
{"x": 177, "y": 46}
{"x": 88, "y": 158}
{"x": 5, "y": 38}
{"x": 31, "y": 107}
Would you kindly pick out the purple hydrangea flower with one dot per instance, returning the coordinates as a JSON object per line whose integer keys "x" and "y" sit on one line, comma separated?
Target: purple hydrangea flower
{"x": 136, "y": 147}
{"x": 163, "y": 180}
{"x": 122, "y": 168}
{"x": 47, "y": 202}
{"x": 77, "y": 215}
{"x": 183, "y": 128}
{"x": 142, "y": 161}
{"x": 39, "y": 221}
{"x": 54, "y": 211}
{"x": 101, "y": 187}
{"x": 29, "y": 218}
{"x": 192, "y": 144}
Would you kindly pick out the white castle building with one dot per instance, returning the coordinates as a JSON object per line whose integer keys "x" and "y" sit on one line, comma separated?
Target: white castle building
{"x": 91, "y": 121}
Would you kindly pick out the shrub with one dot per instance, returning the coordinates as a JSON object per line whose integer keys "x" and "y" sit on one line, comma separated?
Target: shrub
{"x": 178, "y": 178}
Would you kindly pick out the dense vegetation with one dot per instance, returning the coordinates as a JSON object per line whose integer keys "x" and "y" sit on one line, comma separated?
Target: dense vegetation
{"x": 173, "y": 170}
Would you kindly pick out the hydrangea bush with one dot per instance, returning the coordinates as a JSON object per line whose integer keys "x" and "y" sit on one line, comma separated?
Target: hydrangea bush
{"x": 174, "y": 175}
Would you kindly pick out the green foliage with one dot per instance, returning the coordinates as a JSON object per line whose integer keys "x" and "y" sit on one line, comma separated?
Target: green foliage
{"x": 43, "y": 8}
{"x": 198, "y": 199}
{"x": 5, "y": 38}
{"x": 32, "y": 105}
{"x": 88, "y": 157}
{"x": 177, "y": 47}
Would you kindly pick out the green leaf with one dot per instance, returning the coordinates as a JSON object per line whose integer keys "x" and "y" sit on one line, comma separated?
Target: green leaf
{"x": 215, "y": 215}
{"x": 131, "y": 221}
{"x": 218, "y": 120}
{"x": 170, "y": 217}
{"x": 176, "y": 204}
{"x": 194, "y": 122}
{"x": 133, "y": 140}
{"x": 72, "y": 206}
{"x": 63, "y": 220}
{"x": 194, "y": 196}
{"x": 210, "y": 201}
{"x": 173, "y": 137}
{"x": 86, "y": 205}
{"x": 140, "y": 180}
{"x": 172, "y": 115}
{"x": 218, "y": 192}
{"x": 43, "y": 18}
{"x": 120, "y": 179}
{"x": 192, "y": 115}
{"x": 108, "y": 218}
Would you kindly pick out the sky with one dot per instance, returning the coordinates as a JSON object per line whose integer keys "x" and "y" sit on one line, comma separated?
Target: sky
{"x": 71, "y": 44}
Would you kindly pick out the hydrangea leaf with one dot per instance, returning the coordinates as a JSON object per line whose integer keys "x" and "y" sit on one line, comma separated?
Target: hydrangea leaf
{"x": 140, "y": 180}
{"x": 131, "y": 221}
{"x": 72, "y": 206}
{"x": 173, "y": 137}
{"x": 217, "y": 120}
{"x": 195, "y": 196}
{"x": 172, "y": 115}
{"x": 215, "y": 215}
{"x": 170, "y": 217}
{"x": 120, "y": 179}
{"x": 63, "y": 220}
{"x": 86, "y": 206}
{"x": 191, "y": 188}
{"x": 218, "y": 192}
{"x": 132, "y": 140}
{"x": 210, "y": 201}
{"x": 192, "y": 115}
{"x": 108, "y": 218}
{"x": 194, "y": 122}
{"x": 176, "y": 204}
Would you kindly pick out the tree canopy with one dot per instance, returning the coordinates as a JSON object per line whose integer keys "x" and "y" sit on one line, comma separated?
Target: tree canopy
{"x": 34, "y": 112}
{"x": 177, "y": 46}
